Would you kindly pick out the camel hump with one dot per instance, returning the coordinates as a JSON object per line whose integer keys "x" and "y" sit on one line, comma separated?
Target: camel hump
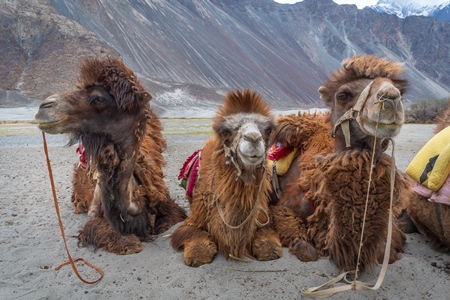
{"x": 295, "y": 130}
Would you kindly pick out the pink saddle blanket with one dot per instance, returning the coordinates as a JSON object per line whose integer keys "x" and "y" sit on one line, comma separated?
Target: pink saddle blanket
{"x": 441, "y": 196}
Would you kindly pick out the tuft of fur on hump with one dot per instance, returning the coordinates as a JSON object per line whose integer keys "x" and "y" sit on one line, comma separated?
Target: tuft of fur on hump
{"x": 365, "y": 66}
{"x": 113, "y": 75}
{"x": 299, "y": 130}
{"x": 239, "y": 102}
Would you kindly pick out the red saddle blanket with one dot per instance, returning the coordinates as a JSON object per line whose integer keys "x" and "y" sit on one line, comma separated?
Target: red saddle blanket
{"x": 188, "y": 172}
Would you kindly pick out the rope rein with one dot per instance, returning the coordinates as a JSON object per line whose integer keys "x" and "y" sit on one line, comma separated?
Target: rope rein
{"x": 355, "y": 284}
{"x": 61, "y": 227}
{"x": 252, "y": 212}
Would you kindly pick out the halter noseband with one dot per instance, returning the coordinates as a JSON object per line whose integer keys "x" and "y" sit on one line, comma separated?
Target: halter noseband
{"x": 231, "y": 151}
{"x": 344, "y": 120}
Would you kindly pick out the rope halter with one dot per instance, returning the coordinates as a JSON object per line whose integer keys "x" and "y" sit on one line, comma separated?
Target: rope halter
{"x": 231, "y": 151}
{"x": 344, "y": 120}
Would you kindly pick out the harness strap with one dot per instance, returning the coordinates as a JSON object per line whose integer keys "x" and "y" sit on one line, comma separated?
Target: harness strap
{"x": 230, "y": 152}
{"x": 438, "y": 213}
{"x": 344, "y": 120}
{"x": 276, "y": 181}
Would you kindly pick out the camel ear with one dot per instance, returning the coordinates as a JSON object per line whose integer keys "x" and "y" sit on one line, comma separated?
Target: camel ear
{"x": 323, "y": 91}
{"x": 143, "y": 97}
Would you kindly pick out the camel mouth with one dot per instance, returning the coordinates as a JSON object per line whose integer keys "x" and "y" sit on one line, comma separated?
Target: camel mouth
{"x": 252, "y": 159}
{"x": 384, "y": 130}
{"x": 50, "y": 127}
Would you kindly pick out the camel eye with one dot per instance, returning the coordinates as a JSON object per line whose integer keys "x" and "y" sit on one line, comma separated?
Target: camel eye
{"x": 94, "y": 99}
{"x": 343, "y": 97}
{"x": 225, "y": 133}
{"x": 269, "y": 131}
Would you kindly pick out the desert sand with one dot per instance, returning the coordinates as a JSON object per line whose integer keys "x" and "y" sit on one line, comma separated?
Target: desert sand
{"x": 31, "y": 245}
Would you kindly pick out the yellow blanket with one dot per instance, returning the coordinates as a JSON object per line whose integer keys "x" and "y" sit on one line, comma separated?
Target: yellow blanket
{"x": 431, "y": 166}
{"x": 283, "y": 164}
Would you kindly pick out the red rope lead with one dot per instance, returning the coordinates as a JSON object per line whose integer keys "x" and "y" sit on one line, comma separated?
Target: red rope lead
{"x": 71, "y": 261}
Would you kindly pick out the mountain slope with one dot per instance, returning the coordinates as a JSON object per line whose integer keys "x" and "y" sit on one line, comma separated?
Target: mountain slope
{"x": 190, "y": 52}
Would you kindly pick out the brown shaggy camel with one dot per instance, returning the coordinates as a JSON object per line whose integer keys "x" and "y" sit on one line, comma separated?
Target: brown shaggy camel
{"x": 321, "y": 211}
{"x": 431, "y": 217}
{"x": 109, "y": 113}
{"x": 229, "y": 209}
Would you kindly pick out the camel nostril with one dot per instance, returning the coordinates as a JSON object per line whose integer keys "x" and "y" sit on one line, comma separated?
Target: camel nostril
{"x": 48, "y": 102}
{"x": 253, "y": 137}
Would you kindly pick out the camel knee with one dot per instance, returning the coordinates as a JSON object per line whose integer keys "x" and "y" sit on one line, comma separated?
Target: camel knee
{"x": 267, "y": 245}
{"x": 100, "y": 234}
{"x": 303, "y": 250}
{"x": 287, "y": 224}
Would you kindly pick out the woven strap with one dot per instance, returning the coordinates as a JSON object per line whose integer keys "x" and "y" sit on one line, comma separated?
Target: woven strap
{"x": 344, "y": 120}
{"x": 276, "y": 181}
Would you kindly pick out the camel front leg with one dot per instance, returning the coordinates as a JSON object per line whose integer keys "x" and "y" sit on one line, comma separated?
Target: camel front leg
{"x": 82, "y": 189}
{"x": 99, "y": 233}
{"x": 266, "y": 245}
{"x": 293, "y": 233}
{"x": 199, "y": 248}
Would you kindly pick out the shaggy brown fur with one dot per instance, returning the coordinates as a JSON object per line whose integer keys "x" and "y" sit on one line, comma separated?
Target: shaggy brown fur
{"x": 311, "y": 134}
{"x": 432, "y": 219}
{"x": 336, "y": 183}
{"x": 240, "y": 194}
{"x": 109, "y": 114}
{"x": 82, "y": 188}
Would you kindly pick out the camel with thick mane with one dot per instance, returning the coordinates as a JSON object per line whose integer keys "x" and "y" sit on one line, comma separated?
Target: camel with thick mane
{"x": 109, "y": 113}
{"x": 430, "y": 210}
{"x": 322, "y": 208}
{"x": 230, "y": 202}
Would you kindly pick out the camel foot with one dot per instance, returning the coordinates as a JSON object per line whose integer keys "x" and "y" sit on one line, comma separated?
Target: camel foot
{"x": 267, "y": 248}
{"x": 303, "y": 250}
{"x": 199, "y": 251}
{"x": 98, "y": 233}
{"x": 127, "y": 244}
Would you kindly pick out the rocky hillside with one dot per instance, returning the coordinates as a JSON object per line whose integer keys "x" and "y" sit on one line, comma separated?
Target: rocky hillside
{"x": 190, "y": 52}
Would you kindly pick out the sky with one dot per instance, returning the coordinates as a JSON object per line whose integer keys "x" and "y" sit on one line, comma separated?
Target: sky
{"x": 364, "y": 3}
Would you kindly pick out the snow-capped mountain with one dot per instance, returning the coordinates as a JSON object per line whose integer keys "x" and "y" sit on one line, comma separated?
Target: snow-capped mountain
{"x": 406, "y": 8}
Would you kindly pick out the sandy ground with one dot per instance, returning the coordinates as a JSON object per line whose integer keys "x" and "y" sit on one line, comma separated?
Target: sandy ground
{"x": 31, "y": 245}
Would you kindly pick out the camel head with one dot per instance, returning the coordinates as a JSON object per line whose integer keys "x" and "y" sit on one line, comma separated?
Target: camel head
{"x": 365, "y": 96}
{"x": 108, "y": 104}
{"x": 244, "y": 123}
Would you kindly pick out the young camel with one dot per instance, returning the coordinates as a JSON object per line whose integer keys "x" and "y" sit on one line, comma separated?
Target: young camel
{"x": 229, "y": 209}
